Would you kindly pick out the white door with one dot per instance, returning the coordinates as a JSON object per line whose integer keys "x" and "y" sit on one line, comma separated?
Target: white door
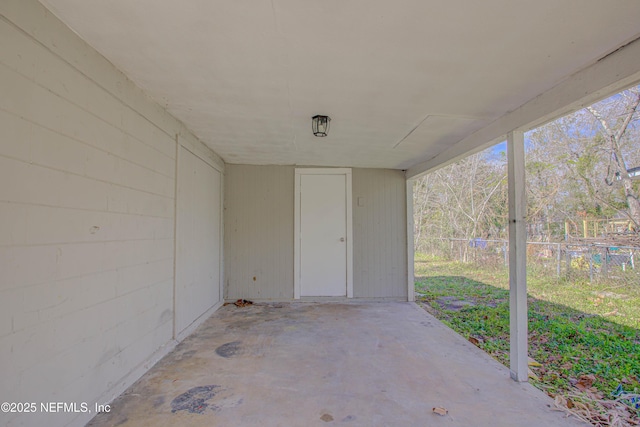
{"x": 324, "y": 232}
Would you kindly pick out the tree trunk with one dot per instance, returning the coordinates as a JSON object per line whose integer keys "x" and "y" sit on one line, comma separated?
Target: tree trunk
{"x": 632, "y": 202}
{"x": 615, "y": 137}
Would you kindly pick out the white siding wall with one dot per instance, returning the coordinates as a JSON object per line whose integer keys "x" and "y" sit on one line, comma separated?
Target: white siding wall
{"x": 198, "y": 240}
{"x": 379, "y": 234}
{"x": 259, "y": 233}
{"x": 87, "y": 198}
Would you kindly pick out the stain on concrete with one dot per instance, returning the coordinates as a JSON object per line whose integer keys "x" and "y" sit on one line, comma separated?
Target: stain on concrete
{"x": 158, "y": 401}
{"x": 226, "y": 399}
{"x": 194, "y": 400}
{"x": 230, "y": 349}
{"x": 263, "y": 383}
{"x": 326, "y": 418}
{"x": 185, "y": 355}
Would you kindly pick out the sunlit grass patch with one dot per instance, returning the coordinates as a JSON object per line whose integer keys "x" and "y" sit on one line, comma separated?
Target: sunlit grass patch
{"x": 578, "y": 332}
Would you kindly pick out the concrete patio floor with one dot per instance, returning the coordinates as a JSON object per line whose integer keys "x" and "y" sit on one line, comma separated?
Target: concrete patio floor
{"x": 306, "y": 364}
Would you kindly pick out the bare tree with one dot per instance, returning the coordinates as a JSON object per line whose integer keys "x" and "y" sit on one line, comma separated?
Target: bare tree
{"x": 577, "y": 169}
{"x": 614, "y": 129}
{"x": 464, "y": 200}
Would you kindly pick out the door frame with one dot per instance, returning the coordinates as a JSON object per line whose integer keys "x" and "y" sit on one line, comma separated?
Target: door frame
{"x": 296, "y": 233}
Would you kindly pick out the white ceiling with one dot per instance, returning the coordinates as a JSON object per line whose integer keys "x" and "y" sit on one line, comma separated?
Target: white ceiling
{"x": 401, "y": 80}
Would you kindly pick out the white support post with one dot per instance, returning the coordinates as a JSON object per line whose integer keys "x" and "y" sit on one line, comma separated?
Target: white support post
{"x": 411, "y": 295}
{"x": 517, "y": 258}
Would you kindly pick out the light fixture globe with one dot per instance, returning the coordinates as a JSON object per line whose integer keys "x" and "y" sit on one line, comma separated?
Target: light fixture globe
{"x": 320, "y": 125}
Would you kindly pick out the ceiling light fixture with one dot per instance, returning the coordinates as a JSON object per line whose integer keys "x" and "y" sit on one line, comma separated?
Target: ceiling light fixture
{"x": 320, "y": 125}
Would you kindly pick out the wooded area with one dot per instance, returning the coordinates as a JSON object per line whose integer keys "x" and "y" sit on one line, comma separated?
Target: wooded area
{"x": 583, "y": 181}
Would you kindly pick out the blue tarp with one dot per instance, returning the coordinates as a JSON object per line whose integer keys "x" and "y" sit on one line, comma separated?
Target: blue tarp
{"x": 478, "y": 243}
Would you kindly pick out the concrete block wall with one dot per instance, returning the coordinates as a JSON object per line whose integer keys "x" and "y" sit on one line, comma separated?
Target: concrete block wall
{"x": 87, "y": 217}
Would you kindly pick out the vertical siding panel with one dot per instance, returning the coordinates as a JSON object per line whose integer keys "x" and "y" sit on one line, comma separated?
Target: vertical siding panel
{"x": 370, "y": 182}
{"x": 393, "y": 211}
{"x": 372, "y": 231}
{"x": 197, "y": 240}
{"x": 378, "y": 218}
{"x": 379, "y": 234}
{"x": 360, "y": 262}
{"x": 259, "y": 232}
{"x": 388, "y": 246}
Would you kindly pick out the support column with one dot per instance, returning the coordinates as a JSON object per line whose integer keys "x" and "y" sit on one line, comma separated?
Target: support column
{"x": 410, "y": 243}
{"x": 517, "y": 258}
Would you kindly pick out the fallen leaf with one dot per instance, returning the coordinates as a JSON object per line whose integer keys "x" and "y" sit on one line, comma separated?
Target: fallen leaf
{"x": 440, "y": 411}
{"x": 611, "y": 313}
{"x": 597, "y": 393}
{"x": 532, "y": 375}
{"x": 243, "y": 303}
{"x": 474, "y": 341}
{"x": 585, "y": 382}
{"x": 534, "y": 363}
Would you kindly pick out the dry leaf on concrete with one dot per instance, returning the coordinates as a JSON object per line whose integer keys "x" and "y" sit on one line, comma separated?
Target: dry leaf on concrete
{"x": 243, "y": 303}
{"x": 440, "y": 411}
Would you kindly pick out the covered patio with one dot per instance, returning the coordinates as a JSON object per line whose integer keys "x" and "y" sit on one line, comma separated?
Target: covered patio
{"x": 306, "y": 364}
{"x": 158, "y": 160}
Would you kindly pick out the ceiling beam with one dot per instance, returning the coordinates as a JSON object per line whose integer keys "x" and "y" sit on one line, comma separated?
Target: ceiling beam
{"x": 610, "y": 74}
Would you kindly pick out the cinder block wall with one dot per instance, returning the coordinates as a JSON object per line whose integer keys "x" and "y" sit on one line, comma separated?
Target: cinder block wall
{"x": 87, "y": 201}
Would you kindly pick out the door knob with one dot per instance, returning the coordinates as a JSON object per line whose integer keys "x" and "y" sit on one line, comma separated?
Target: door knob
{"x": 342, "y": 239}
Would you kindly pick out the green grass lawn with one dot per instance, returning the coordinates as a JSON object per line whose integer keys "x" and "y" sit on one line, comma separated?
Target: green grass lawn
{"x": 579, "y": 333}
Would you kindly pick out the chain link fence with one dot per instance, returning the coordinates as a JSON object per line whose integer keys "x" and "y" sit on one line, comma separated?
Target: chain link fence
{"x": 589, "y": 261}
